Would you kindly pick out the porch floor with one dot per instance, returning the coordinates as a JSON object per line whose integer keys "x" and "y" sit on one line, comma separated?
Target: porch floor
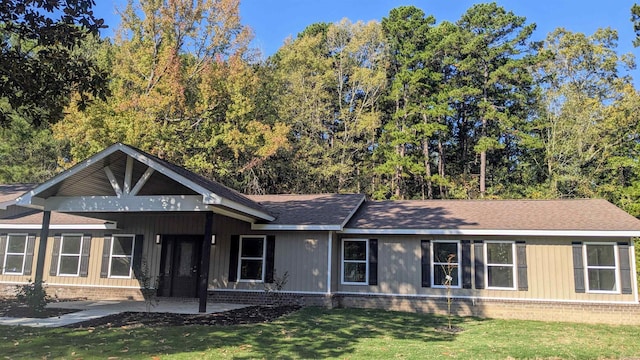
{"x": 91, "y": 309}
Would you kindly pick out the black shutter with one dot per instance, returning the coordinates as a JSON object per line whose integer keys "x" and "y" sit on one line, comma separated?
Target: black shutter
{"x": 84, "y": 255}
{"x": 373, "y": 261}
{"x": 426, "y": 262}
{"x": 137, "y": 257}
{"x": 53, "y": 270}
{"x": 625, "y": 268}
{"x": 578, "y": 267}
{"x": 106, "y": 250}
{"x": 521, "y": 254}
{"x": 270, "y": 259}
{"x": 233, "y": 258}
{"x": 466, "y": 264}
{"x": 28, "y": 259}
{"x": 3, "y": 246}
{"x": 478, "y": 252}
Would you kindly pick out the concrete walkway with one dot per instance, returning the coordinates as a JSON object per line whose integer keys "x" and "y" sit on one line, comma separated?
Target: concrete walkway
{"x": 94, "y": 309}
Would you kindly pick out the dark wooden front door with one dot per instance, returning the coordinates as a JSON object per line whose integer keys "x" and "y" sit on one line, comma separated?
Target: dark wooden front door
{"x": 180, "y": 265}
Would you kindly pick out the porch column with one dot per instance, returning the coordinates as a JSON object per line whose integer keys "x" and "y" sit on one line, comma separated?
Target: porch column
{"x": 42, "y": 247}
{"x": 205, "y": 259}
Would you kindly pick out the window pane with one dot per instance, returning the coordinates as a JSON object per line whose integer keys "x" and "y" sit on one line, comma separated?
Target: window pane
{"x": 602, "y": 279}
{"x": 122, "y": 245}
{"x": 499, "y": 253}
{"x": 439, "y": 275}
{"x": 355, "y": 272}
{"x": 600, "y": 255}
{"x": 69, "y": 265}
{"x": 442, "y": 251}
{"x": 500, "y": 276}
{"x": 120, "y": 266}
{"x": 14, "y": 264}
{"x": 71, "y": 244}
{"x": 252, "y": 247}
{"x": 251, "y": 270}
{"x": 355, "y": 250}
{"x": 16, "y": 243}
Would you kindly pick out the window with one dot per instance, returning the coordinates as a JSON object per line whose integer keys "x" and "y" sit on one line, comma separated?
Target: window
{"x": 445, "y": 259}
{"x": 355, "y": 256}
{"x": 70, "y": 252}
{"x": 121, "y": 256}
{"x": 602, "y": 267}
{"x": 15, "y": 254}
{"x": 500, "y": 264}
{"x": 252, "y": 252}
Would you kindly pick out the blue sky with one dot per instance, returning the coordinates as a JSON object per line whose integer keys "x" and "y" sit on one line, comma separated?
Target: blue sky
{"x": 275, "y": 20}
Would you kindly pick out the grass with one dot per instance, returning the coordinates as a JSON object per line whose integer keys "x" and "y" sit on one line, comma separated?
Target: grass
{"x": 338, "y": 333}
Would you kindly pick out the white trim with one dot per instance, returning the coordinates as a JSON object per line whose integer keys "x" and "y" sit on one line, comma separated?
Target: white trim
{"x": 128, "y": 173}
{"x": 143, "y": 180}
{"x": 6, "y": 254}
{"x": 79, "y": 204}
{"x": 514, "y": 265}
{"x": 353, "y": 211}
{"x": 211, "y": 288}
{"x": 616, "y": 268}
{"x": 440, "y": 263}
{"x": 263, "y": 258}
{"x": 113, "y": 181}
{"x": 634, "y": 274}
{"x": 111, "y": 256}
{"x": 495, "y": 232}
{"x": 487, "y": 298}
{"x": 79, "y": 254}
{"x": 329, "y": 256}
{"x": 296, "y": 227}
{"x": 5, "y": 204}
{"x": 365, "y": 261}
{"x": 105, "y": 226}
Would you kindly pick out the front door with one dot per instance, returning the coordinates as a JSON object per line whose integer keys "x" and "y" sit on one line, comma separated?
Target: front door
{"x": 180, "y": 265}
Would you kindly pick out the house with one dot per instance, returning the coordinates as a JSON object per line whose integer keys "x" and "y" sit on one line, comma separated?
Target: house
{"x": 123, "y": 220}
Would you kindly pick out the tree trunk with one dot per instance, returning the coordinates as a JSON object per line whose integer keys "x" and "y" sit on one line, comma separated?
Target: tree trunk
{"x": 443, "y": 194}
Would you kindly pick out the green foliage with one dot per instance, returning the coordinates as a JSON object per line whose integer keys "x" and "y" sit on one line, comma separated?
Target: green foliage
{"x": 33, "y": 295}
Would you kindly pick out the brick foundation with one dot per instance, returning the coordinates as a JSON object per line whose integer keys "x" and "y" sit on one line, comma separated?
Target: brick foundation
{"x": 262, "y": 298}
{"x": 617, "y": 314}
{"x": 77, "y": 292}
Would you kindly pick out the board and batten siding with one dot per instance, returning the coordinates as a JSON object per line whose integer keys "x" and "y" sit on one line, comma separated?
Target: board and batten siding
{"x": 303, "y": 255}
{"x": 549, "y": 269}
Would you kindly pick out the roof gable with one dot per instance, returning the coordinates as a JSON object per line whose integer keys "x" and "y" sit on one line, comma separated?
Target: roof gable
{"x": 123, "y": 178}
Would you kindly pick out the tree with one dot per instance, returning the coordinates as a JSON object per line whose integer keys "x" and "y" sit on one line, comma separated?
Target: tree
{"x": 39, "y": 67}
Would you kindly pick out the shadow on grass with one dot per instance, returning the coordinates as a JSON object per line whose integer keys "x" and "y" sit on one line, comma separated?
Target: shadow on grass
{"x": 310, "y": 333}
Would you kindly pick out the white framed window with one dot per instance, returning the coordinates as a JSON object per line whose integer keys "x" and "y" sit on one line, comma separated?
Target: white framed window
{"x": 355, "y": 261}
{"x": 69, "y": 254}
{"x": 121, "y": 256}
{"x": 500, "y": 265}
{"x": 445, "y": 259}
{"x": 15, "y": 254}
{"x": 251, "y": 262}
{"x": 601, "y": 267}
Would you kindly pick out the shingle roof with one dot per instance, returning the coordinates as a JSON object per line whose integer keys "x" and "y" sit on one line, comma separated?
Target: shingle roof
{"x": 579, "y": 214}
{"x": 318, "y": 209}
{"x": 9, "y": 193}
{"x": 35, "y": 218}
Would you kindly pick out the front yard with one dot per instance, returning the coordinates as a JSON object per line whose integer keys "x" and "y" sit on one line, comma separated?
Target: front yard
{"x": 338, "y": 333}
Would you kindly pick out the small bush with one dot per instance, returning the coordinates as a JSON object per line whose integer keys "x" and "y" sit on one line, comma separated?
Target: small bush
{"x": 33, "y": 295}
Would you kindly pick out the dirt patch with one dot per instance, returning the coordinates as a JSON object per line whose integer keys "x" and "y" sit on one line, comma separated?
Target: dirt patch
{"x": 12, "y": 308}
{"x": 248, "y": 315}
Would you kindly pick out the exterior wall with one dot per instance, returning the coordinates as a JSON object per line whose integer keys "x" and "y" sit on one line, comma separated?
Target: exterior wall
{"x": 549, "y": 269}
{"x": 303, "y": 255}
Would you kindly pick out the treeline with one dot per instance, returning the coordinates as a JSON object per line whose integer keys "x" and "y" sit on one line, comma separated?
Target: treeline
{"x": 405, "y": 108}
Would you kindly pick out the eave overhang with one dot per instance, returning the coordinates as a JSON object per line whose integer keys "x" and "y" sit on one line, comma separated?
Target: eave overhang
{"x": 495, "y": 232}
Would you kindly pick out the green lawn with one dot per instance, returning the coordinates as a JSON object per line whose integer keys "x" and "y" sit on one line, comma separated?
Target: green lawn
{"x": 338, "y": 333}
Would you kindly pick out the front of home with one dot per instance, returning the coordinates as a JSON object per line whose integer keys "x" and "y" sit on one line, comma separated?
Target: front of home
{"x": 123, "y": 220}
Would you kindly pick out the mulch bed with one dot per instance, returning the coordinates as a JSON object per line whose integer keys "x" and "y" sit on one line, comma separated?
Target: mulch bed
{"x": 248, "y": 315}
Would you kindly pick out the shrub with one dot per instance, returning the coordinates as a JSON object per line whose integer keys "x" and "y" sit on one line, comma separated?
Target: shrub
{"x": 33, "y": 295}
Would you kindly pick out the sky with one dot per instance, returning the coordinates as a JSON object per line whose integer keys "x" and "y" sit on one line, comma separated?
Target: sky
{"x": 273, "y": 21}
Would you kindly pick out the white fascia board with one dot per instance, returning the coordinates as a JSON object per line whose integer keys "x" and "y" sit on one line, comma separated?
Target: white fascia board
{"x": 232, "y": 214}
{"x": 105, "y": 226}
{"x": 81, "y": 204}
{"x": 487, "y": 232}
{"x": 296, "y": 227}
{"x": 6, "y": 204}
{"x": 353, "y": 211}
